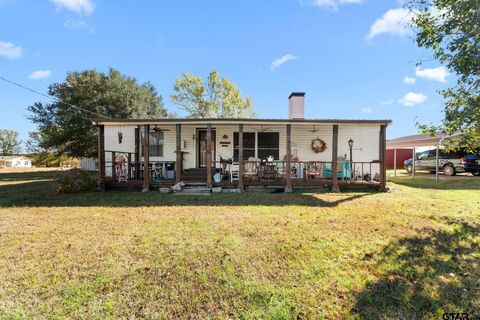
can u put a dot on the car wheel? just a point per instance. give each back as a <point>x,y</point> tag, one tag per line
<point>409,168</point>
<point>449,170</point>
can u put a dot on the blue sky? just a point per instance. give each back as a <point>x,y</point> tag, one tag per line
<point>351,57</point>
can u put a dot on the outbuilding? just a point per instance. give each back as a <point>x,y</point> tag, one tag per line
<point>15,162</point>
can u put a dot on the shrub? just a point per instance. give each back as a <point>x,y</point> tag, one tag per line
<point>108,182</point>
<point>74,181</point>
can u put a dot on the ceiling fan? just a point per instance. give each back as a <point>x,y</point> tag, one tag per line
<point>262,129</point>
<point>157,129</point>
<point>314,129</point>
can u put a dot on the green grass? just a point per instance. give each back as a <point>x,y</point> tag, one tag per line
<point>413,252</point>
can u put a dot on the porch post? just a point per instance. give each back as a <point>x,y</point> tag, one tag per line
<point>129,163</point>
<point>413,162</point>
<point>209,156</point>
<point>146,158</point>
<point>137,152</point>
<point>437,151</point>
<point>395,162</point>
<point>178,164</point>
<point>101,156</point>
<point>335,187</point>
<point>241,167</point>
<point>288,177</point>
<point>382,152</point>
<point>113,165</point>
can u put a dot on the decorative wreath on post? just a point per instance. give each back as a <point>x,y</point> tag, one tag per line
<point>319,145</point>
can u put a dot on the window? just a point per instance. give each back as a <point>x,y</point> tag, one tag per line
<point>268,145</point>
<point>248,145</point>
<point>423,156</point>
<point>260,145</point>
<point>155,146</point>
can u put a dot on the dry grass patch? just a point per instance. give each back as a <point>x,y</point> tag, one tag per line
<point>249,256</point>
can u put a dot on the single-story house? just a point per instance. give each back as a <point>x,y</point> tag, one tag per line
<point>15,162</point>
<point>245,152</point>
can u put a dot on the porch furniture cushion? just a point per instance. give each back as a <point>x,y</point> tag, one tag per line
<point>314,169</point>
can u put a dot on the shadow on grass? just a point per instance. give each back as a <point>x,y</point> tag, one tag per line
<point>42,194</point>
<point>27,176</point>
<point>432,273</point>
<point>445,183</point>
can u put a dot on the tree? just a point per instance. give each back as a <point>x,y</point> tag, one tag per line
<point>451,28</point>
<point>42,157</point>
<point>9,142</point>
<point>69,130</point>
<point>215,98</point>
<point>34,143</point>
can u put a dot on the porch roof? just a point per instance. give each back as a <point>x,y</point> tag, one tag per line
<point>421,140</point>
<point>235,121</point>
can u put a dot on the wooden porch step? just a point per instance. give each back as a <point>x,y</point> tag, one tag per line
<point>194,190</point>
<point>195,184</point>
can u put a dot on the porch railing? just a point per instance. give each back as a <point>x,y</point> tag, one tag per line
<point>121,166</point>
<point>307,172</point>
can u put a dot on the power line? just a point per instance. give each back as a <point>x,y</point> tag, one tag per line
<point>49,97</point>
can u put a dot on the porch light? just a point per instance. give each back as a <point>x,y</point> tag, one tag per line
<point>350,143</point>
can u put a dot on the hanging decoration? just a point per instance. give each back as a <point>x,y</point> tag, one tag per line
<point>121,167</point>
<point>120,136</point>
<point>319,145</point>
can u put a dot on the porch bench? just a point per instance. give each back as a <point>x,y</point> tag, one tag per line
<point>343,171</point>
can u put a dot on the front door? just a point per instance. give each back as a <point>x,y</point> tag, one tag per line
<point>202,147</point>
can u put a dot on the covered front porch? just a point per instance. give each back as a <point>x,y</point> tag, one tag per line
<point>244,154</point>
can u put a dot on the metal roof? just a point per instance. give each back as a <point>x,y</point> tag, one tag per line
<point>419,140</point>
<point>236,121</point>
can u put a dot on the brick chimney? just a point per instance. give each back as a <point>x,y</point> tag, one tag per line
<point>296,105</point>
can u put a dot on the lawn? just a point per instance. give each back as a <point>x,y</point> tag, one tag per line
<point>410,253</point>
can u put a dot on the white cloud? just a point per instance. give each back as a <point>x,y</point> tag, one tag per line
<point>394,21</point>
<point>367,110</point>
<point>409,80</point>
<point>437,74</point>
<point>411,98</point>
<point>78,6</point>
<point>78,24</point>
<point>332,4</point>
<point>277,63</point>
<point>10,50</point>
<point>386,102</point>
<point>40,74</point>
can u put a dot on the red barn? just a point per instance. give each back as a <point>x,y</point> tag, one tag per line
<point>402,155</point>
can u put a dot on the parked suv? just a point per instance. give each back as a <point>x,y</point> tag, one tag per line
<point>451,162</point>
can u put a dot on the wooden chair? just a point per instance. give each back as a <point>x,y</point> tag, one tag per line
<point>251,170</point>
<point>234,172</point>
<point>314,170</point>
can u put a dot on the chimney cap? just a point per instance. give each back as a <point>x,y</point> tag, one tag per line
<point>296,94</point>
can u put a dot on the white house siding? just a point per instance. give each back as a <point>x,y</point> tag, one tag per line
<point>111,138</point>
<point>302,137</point>
<point>365,136</point>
